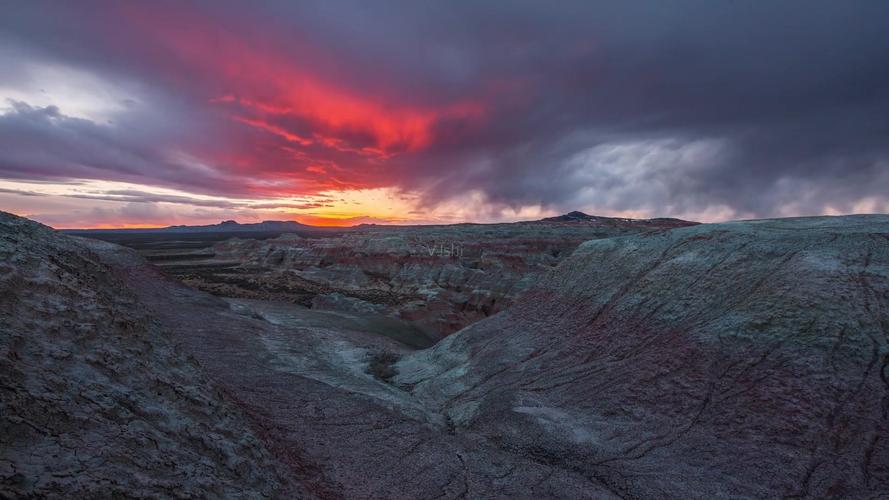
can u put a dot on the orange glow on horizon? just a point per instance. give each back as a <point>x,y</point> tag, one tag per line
<point>308,220</point>
<point>288,130</point>
<point>123,225</point>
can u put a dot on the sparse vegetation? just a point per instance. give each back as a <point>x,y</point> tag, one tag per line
<point>382,365</point>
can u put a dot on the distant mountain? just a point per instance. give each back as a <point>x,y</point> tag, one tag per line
<point>573,216</point>
<point>229,226</point>
<point>577,216</point>
<point>279,226</point>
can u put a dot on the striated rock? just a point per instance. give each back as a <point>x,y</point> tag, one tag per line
<point>442,277</point>
<point>745,359</point>
<point>738,360</point>
<point>95,399</point>
<point>202,397</point>
<point>315,387</point>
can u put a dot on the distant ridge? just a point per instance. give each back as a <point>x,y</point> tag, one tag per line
<point>232,226</point>
<point>278,226</point>
<point>228,226</point>
<point>573,216</point>
<point>577,216</point>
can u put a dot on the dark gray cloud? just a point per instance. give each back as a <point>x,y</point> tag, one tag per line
<point>132,196</point>
<point>42,143</point>
<point>718,108</point>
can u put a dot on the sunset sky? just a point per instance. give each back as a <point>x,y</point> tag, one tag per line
<point>124,114</point>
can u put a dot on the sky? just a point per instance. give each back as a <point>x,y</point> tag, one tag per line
<point>335,112</point>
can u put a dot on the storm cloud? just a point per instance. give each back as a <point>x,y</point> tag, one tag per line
<point>702,109</point>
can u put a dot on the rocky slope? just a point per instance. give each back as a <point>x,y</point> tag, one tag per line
<point>317,393</point>
<point>95,399</point>
<point>441,277</point>
<point>120,382</point>
<point>746,359</point>
<point>734,360</point>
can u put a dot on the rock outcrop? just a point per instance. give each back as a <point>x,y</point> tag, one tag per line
<point>746,359</point>
<point>95,399</point>
<point>736,360</point>
<point>315,385</point>
<point>441,277</point>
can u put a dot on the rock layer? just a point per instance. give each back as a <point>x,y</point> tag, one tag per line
<point>315,393</point>
<point>745,359</point>
<point>441,277</point>
<point>95,399</point>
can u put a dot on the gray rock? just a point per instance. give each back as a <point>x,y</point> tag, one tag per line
<point>738,360</point>
<point>745,359</point>
<point>96,400</point>
<point>457,274</point>
<point>339,302</point>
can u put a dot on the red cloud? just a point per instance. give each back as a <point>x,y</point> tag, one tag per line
<point>293,119</point>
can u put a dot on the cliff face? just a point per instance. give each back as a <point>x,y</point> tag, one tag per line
<point>95,399</point>
<point>746,358</point>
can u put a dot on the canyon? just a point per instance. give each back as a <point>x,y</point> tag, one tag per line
<point>439,278</point>
<point>575,357</point>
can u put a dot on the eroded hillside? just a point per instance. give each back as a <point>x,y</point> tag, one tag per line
<point>95,399</point>
<point>745,359</point>
<point>441,278</point>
